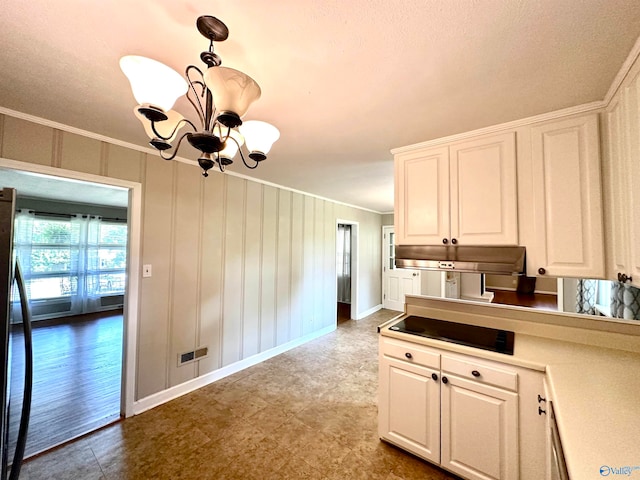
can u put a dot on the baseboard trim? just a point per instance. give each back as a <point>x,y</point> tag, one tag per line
<point>172,393</point>
<point>366,313</point>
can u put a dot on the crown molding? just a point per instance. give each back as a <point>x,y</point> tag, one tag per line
<point>132,146</point>
<point>623,72</point>
<point>565,112</point>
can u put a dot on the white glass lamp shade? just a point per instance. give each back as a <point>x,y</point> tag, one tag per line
<point>259,136</point>
<point>232,90</point>
<point>231,147</point>
<point>152,82</point>
<point>165,128</point>
<point>230,150</point>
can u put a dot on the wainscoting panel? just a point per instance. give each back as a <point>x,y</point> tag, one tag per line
<point>269,268</point>
<point>153,329</point>
<point>80,154</point>
<point>252,270</point>
<point>284,267</point>
<point>27,142</point>
<point>233,271</point>
<point>296,286</point>
<point>211,264</point>
<point>124,163</point>
<point>185,267</point>
<point>308,273</point>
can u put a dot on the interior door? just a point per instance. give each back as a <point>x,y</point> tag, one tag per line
<point>397,282</point>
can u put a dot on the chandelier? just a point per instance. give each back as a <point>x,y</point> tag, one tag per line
<point>220,97</point>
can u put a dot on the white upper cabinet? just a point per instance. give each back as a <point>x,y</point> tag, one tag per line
<point>462,194</point>
<point>484,208</point>
<point>422,197</point>
<point>567,198</point>
<point>632,191</point>
<point>622,181</point>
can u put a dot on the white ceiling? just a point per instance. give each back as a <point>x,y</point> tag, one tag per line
<point>47,187</point>
<point>344,81</point>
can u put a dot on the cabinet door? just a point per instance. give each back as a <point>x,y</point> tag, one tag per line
<point>484,206</point>
<point>422,197</point>
<point>615,189</point>
<point>631,100</point>
<point>567,198</point>
<point>409,407</point>
<point>479,430</point>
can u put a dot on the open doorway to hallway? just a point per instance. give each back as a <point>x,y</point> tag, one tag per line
<point>343,269</point>
<point>346,270</point>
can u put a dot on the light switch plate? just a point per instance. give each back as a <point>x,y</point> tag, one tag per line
<point>146,270</point>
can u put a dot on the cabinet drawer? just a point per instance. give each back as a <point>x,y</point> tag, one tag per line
<point>410,352</point>
<point>481,372</point>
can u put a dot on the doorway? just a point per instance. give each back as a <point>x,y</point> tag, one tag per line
<point>114,330</point>
<point>396,282</point>
<point>346,270</point>
<point>343,269</point>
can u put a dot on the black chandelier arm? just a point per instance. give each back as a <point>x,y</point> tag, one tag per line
<point>175,129</point>
<point>198,107</point>
<point>175,150</point>
<point>221,167</point>
<point>242,156</point>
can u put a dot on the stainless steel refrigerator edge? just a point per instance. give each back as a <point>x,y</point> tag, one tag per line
<point>12,460</point>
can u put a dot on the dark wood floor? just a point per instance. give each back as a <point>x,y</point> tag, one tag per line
<point>344,312</point>
<point>542,301</point>
<point>76,379</point>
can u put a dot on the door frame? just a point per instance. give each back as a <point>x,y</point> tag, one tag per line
<point>355,264</point>
<point>132,291</point>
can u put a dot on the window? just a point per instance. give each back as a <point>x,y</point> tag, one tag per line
<point>70,260</point>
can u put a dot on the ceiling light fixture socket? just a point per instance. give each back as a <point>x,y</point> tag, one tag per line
<point>152,113</point>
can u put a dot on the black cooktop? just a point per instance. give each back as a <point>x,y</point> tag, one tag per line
<point>492,339</point>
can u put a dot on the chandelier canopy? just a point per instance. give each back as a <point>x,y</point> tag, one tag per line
<point>220,97</point>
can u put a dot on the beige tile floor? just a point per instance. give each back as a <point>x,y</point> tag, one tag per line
<point>307,414</point>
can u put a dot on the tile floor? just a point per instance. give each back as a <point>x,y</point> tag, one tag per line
<point>307,414</point>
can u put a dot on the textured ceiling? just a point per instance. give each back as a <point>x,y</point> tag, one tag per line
<point>343,81</point>
<point>35,185</point>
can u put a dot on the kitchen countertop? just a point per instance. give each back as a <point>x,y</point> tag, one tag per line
<point>595,392</point>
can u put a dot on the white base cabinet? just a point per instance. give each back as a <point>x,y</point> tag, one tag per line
<point>474,417</point>
<point>411,415</point>
<point>479,430</point>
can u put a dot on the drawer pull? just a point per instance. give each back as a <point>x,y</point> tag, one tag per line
<point>541,399</point>
<point>475,373</point>
<point>541,411</point>
<point>445,380</point>
<point>408,355</point>
<point>434,376</point>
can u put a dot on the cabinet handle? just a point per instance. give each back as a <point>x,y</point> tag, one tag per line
<point>454,241</point>
<point>541,411</point>
<point>475,373</point>
<point>445,380</point>
<point>434,376</point>
<point>541,399</point>
<point>408,355</point>
<point>415,274</point>
<point>622,277</point>
<point>445,241</point>
<point>542,271</point>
